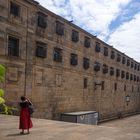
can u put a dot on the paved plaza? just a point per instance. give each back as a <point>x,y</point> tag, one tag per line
<point>123,129</point>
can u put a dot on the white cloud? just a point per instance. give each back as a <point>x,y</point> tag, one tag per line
<point>93,15</point>
<point>126,38</point>
<point>96,16</point>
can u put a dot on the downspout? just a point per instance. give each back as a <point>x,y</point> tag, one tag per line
<point>25,84</point>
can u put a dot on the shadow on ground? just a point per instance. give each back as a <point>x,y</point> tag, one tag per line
<point>16,134</point>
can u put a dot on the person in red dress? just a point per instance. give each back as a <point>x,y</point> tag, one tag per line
<point>25,119</point>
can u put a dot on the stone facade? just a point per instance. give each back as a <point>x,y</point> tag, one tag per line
<point>36,47</point>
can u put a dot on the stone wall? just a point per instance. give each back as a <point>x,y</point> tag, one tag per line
<point>57,87</point>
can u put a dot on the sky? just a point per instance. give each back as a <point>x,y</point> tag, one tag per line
<point>117,22</point>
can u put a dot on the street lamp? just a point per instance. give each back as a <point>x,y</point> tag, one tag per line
<point>98,84</point>
<point>127,99</point>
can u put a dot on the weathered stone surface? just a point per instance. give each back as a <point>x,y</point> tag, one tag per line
<point>57,87</point>
<point>122,129</point>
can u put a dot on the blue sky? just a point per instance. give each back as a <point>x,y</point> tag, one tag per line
<point>127,14</point>
<point>117,22</point>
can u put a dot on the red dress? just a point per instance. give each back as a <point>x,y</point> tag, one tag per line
<point>25,120</point>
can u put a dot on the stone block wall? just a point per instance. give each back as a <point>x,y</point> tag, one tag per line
<point>58,87</point>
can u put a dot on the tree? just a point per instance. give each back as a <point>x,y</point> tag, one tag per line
<point>3,107</point>
<point>2,73</point>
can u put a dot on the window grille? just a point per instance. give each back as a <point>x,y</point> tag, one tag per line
<point>14,9</point>
<point>42,20</point>
<point>59,28</point>
<point>122,74</point>
<point>112,55</point>
<point>87,42</point>
<point>97,66</point>
<point>131,77</point>
<point>41,50</point>
<point>127,75</point>
<point>118,57</point>
<point>128,62</point>
<point>85,83</point>
<point>115,86</point>
<point>123,60</point>
<point>111,71</point>
<point>97,47</point>
<point>13,46</point>
<point>85,63</point>
<point>74,59</point>
<point>57,54</point>
<point>75,36</point>
<point>105,68</point>
<point>117,73</point>
<point>105,51</point>
<point>132,64</point>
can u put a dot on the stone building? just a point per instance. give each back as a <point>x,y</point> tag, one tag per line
<point>61,67</point>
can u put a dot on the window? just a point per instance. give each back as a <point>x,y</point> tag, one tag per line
<point>85,83</point>
<point>111,71</point>
<point>128,62</point>
<point>103,85</point>
<point>57,55</point>
<point>75,36</point>
<point>117,72</point>
<point>105,68</point>
<point>42,20</point>
<point>112,55</point>
<point>74,59</point>
<point>97,47</point>
<point>122,74</point>
<point>85,63</point>
<point>59,28</point>
<point>124,87</point>
<point>135,78</point>
<point>138,67</point>
<point>41,50</point>
<point>132,65</point>
<point>87,42</point>
<point>131,77</point>
<point>115,86</point>
<point>97,66</point>
<point>118,57</point>
<point>127,75</point>
<point>105,51</point>
<point>13,46</point>
<point>123,60</point>
<point>135,66</point>
<point>14,9</point>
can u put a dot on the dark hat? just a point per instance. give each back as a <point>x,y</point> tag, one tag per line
<point>23,98</point>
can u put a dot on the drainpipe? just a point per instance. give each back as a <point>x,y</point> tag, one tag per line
<point>25,84</point>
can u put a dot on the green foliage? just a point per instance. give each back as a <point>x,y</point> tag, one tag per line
<point>7,110</point>
<point>2,72</point>
<point>2,101</point>
<point>1,93</point>
<point>4,109</point>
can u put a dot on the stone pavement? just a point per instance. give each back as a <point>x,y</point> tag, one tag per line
<point>124,129</point>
